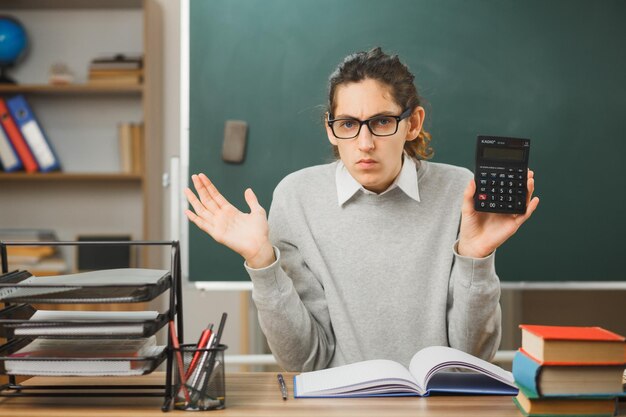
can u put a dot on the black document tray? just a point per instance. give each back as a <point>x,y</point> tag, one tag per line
<point>141,365</point>
<point>75,293</point>
<point>18,316</point>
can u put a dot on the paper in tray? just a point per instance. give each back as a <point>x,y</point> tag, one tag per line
<point>23,320</point>
<point>78,360</point>
<point>124,285</point>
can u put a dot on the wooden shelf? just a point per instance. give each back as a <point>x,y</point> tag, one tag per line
<point>70,89</point>
<point>71,4</point>
<point>70,177</point>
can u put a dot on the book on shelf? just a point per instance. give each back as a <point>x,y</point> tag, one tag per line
<point>137,135</point>
<point>9,161</point>
<point>28,235</point>
<point>43,268</point>
<point>573,345</point>
<point>116,81</point>
<point>31,130</point>
<point>117,62</point>
<point>40,260</point>
<point>131,146</point>
<point>69,357</point>
<point>428,372</point>
<point>18,142</point>
<point>578,407</point>
<point>566,380</point>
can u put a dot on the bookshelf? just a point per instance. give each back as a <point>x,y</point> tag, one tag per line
<point>91,195</point>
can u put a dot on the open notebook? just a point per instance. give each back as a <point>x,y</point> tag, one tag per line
<point>426,375</point>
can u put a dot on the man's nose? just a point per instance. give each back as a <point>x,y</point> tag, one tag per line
<point>365,139</point>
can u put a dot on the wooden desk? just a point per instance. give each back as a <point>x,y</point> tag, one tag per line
<point>254,394</point>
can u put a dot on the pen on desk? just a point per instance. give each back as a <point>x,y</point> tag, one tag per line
<point>283,387</point>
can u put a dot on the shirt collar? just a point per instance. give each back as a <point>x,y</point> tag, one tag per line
<point>406,180</point>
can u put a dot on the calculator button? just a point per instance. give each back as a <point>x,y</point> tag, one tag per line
<point>520,177</point>
<point>501,198</point>
<point>501,206</point>
<point>520,184</point>
<point>520,170</point>
<point>493,190</point>
<point>483,182</point>
<point>483,174</point>
<point>510,184</point>
<point>483,189</point>
<point>482,204</point>
<point>510,191</point>
<point>493,175</point>
<point>510,176</point>
<point>501,190</point>
<point>502,175</point>
<point>510,199</point>
<point>519,203</point>
<point>502,183</point>
<point>493,197</point>
<point>510,206</point>
<point>520,191</point>
<point>482,196</point>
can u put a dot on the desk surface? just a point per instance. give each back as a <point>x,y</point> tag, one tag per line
<point>253,394</point>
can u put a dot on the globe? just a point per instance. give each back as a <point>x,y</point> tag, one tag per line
<point>13,41</point>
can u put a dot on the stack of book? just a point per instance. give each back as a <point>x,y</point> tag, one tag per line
<point>116,70</point>
<point>23,143</point>
<point>569,371</point>
<point>40,260</point>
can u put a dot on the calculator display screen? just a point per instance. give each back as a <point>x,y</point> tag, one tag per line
<point>504,154</point>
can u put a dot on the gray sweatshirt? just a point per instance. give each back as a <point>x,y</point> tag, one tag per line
<point>377,277</point>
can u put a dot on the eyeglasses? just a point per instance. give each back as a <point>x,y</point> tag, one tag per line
<point>378,125</point>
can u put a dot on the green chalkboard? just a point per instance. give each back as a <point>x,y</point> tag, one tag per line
<point>552,71</point>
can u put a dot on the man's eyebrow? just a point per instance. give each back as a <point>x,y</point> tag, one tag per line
<point>383,113</point>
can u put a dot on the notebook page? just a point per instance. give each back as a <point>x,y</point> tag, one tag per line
<point>367,373</point>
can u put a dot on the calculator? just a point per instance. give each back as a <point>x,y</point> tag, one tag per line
<point>501,174</point>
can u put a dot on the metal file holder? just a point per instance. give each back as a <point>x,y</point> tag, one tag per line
<point>175,312</point>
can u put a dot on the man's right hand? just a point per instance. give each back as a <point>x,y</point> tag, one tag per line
<point>245,233</point>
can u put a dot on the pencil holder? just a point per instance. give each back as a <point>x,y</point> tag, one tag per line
<point>200,382</point>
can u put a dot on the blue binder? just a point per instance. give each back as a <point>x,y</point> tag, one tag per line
<point>9,160</point>
<point>34,135</point>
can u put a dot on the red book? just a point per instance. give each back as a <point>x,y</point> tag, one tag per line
<point>569,345</point>
<point>16,138</point>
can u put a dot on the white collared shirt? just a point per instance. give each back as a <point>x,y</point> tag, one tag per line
<point>347,186</point>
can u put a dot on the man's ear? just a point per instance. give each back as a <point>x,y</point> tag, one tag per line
<point>416,121</point>
<point>329,132</point>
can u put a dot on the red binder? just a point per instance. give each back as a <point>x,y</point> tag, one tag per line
<point>16,138</point>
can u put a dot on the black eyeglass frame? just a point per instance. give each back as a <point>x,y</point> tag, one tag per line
<point>399,118</point>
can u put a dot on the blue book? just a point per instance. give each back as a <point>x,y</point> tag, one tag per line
<point>33,134</point>
<point>8,157</point>
<point>540,380</point>
<point>428,373</point>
